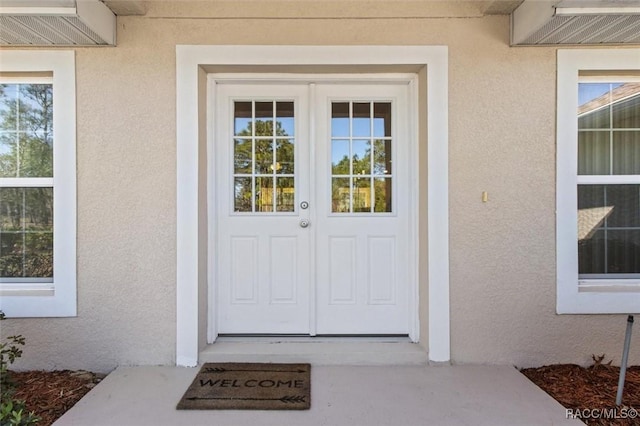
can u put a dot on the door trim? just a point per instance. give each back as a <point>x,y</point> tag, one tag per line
<point>192,267</point>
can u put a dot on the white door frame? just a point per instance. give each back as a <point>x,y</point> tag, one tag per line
<point>192,266</point>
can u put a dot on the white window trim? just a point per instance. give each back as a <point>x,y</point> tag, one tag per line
<point>56,299</point>
<point>582,296</point>
<point>189,62</point>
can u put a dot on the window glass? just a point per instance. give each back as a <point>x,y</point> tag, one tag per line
<point>609,229</point>
<point>608,128</point>
<point>26,130</point>
<point>26,213</point>
<point>609,212</point>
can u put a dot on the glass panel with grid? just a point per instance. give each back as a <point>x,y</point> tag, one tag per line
<point>361,157</point>
<point>609,129</point>
<point>609,149</point>
<point>264,156</point>
<point>26,182</point>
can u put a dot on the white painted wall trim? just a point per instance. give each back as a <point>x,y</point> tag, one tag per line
<point>187,63</point>
<point>188,60</point>
<point>438,205</point>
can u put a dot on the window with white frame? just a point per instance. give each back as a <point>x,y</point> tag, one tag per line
<point>598,181</point>
<point>37,184</point>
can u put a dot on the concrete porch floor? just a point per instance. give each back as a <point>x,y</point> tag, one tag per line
<point>340,395</point>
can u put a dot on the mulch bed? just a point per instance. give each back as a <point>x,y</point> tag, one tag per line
<point>591,388</point>
<point>51,393</point>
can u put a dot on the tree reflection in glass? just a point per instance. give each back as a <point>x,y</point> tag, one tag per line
<point>26,151</point>
<point>361,149</point>
<point>263,149</point>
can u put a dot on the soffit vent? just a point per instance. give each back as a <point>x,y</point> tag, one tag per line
<point>88,23</point>
<point>552,23</point>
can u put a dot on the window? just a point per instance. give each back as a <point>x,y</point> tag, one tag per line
<point>598,186</point>
<point>37,184</point>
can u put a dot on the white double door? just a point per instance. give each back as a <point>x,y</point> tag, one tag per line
<point>312,189</point>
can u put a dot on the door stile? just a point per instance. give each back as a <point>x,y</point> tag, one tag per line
<point>313,281</point>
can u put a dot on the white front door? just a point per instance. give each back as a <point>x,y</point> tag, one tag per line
<point>312,200</point>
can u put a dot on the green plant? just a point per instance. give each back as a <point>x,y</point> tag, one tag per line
<point>13,412</point>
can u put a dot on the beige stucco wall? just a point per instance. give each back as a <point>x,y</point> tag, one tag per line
<point>502,124</point>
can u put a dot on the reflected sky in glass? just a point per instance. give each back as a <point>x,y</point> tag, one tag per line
<point>590,91</point>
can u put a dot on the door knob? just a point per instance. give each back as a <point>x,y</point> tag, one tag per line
<point>304,205</point>
<point>304,223</point>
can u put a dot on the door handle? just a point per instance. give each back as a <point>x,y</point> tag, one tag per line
<point>304,223</point>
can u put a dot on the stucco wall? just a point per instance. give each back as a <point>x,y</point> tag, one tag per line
<point>502,124</point>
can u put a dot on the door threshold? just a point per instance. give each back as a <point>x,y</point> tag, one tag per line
<point>316,350</point>
<point>305,338</point>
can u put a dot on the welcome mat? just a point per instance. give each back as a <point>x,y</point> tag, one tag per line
<point>249,386</point>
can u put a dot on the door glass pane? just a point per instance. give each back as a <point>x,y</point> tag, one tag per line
<point>609,229</point>
<point>340,195</point>
<point>264,194</point>
<point>361,119</point>
<point>285,196</point>
<point>382,157</point>
<point>382,119</point>
<point>242,119</point>
<point>361,152</point>
<point>264,156</point>
<point>382,188</point>
<point>284,156</point>
<point>340,164</point>
<point>242,156</point>
<point>284,119</point>
<point>242,194</point>
<point>361,156</point>
<point>262,153</point>
<point>264,119</point>
<point>362,194</point>
<point>340,119</point>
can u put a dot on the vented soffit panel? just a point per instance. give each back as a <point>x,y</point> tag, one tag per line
<point>56,23</point>
<point>576,22</point>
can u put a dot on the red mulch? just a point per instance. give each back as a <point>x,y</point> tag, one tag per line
<point>51,393</point>
<point>591,388</point>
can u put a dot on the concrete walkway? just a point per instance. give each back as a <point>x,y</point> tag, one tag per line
<point>340,395</point>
